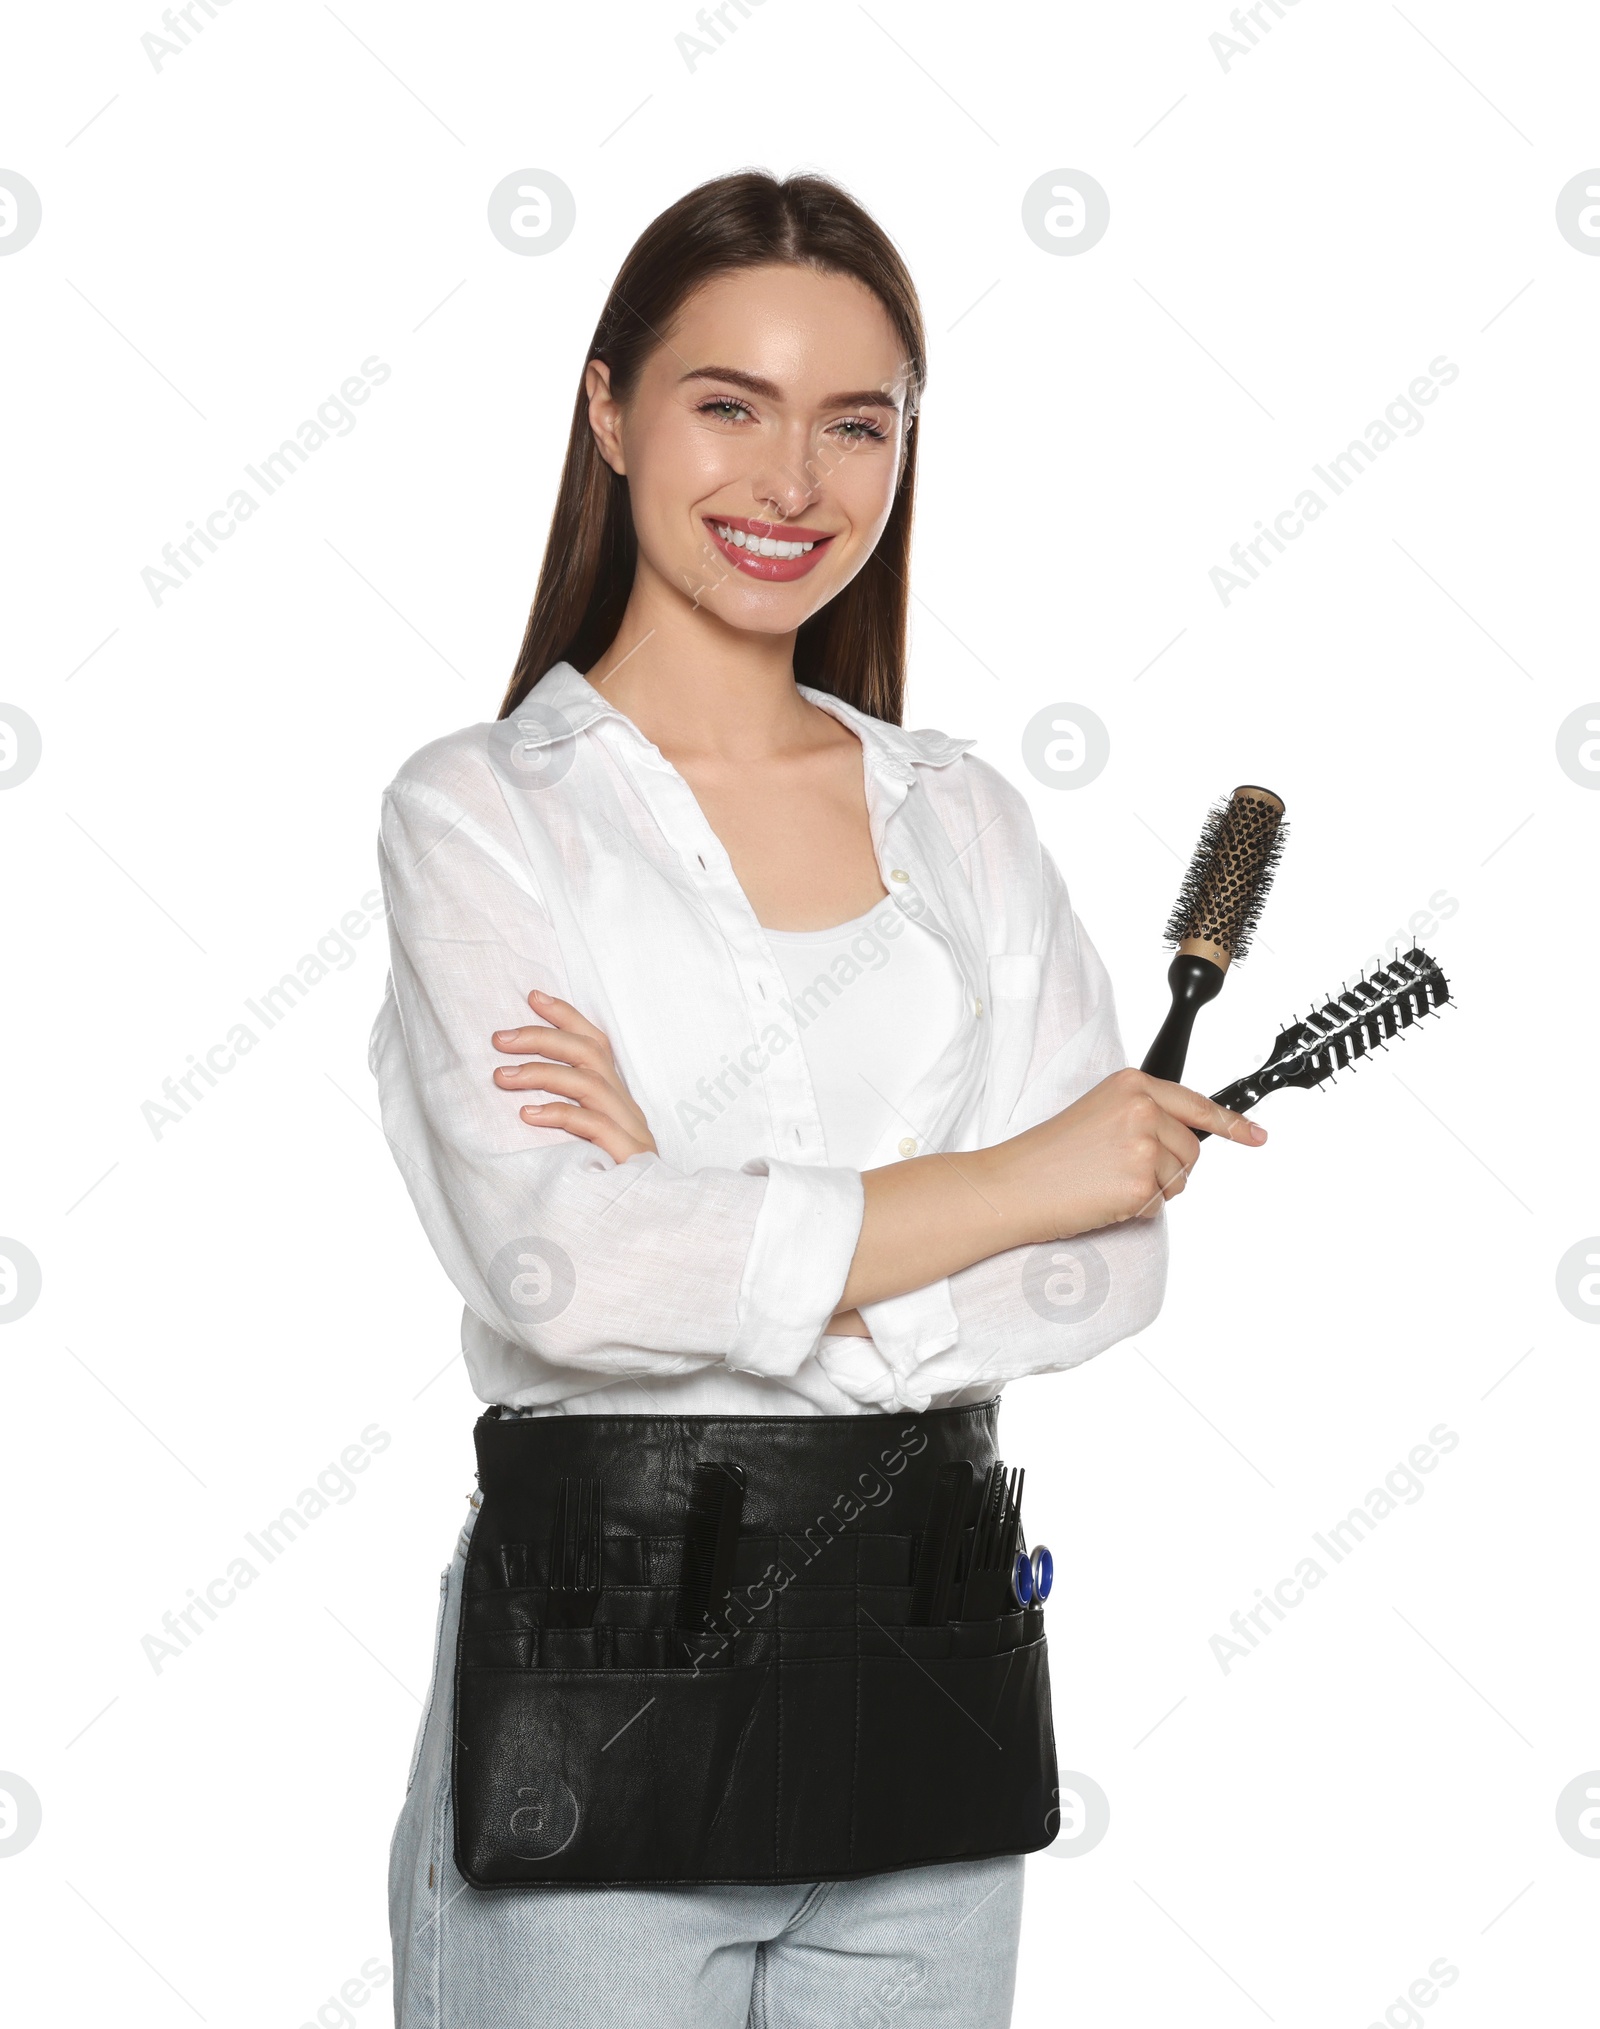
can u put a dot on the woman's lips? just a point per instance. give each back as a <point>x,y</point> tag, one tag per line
<point>771,570</point>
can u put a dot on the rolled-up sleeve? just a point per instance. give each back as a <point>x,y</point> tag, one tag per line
<point>637,1268</point>
<point>1034,1310</point>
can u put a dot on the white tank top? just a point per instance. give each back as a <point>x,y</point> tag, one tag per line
<point>875,1002</point>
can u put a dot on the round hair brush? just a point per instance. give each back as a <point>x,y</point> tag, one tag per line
<point>1216,912</point>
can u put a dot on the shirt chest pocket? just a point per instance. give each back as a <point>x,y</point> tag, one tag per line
<point>1014,976</point>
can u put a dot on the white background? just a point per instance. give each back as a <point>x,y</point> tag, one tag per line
<point>1293,239</point>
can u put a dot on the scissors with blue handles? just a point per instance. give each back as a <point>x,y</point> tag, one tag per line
<point>1032,1576</point>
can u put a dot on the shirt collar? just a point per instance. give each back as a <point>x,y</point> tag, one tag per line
<point>564,702</point>
<point>894,750</point>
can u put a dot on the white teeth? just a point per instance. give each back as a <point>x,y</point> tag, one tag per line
<point>761,545</point>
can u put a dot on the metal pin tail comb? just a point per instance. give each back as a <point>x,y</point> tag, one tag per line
<point>1216,912</point>
<point>1362,1018</point>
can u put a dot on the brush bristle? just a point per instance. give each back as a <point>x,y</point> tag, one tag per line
<point>1379,1009</point>
<point>1241,843</point>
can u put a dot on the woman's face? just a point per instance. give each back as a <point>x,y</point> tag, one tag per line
<point>770,417</point>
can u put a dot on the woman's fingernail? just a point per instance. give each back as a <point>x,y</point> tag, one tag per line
<point>1257,1132</point>
<point>500,1035</point>
<point>537,995</point>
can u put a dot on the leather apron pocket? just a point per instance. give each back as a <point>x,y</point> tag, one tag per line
<point>815,1734</point>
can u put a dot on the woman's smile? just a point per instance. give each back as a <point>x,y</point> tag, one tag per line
<point>773,551</point>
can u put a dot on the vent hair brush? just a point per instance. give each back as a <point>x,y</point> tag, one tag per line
<point>1362,1018</point>
<point>1216,912</point>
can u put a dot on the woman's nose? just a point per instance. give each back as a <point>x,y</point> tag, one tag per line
<point>788,480</point>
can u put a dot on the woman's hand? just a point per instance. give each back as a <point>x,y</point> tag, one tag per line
<point>595,1104</point>
<point>1114,1154</point>
<point>1117,1153</point>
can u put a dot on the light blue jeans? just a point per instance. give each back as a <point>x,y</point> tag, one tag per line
<point>924,1945</point>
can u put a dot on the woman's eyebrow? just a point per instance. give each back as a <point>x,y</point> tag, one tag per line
<point>753,383</point>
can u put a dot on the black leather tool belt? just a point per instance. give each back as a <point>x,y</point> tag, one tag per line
<point>783,1648</point>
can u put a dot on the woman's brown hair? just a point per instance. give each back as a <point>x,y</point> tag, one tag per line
<point>855,647</point>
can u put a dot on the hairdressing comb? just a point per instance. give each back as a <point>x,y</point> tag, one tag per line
<point>577,1552</point>
<point>1363,1017</point>
<point>994,1541</point>
<point>941,1539</point>
<point>711,1534</point>
<point>1216,912</point>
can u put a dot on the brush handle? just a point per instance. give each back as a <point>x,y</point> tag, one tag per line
<point>1241,1095</point>
<point>1194,980</point>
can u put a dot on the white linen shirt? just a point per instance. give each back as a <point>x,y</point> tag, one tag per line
<point>560,849</point>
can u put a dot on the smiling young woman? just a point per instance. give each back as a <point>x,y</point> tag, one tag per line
<point>821,1131</point>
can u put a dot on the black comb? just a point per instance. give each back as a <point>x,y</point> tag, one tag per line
<point>577,1553</point>
<point>994,1544</point>
<point>941,1538</point>
<point>711,1534</point>
<point>1362,1018</point>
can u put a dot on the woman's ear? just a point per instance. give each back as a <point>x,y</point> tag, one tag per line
<point>605,414</point>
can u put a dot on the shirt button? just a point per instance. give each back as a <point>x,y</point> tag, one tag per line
<point>977,1007</point>
<point>909,1145</point>
<point>898,874</point>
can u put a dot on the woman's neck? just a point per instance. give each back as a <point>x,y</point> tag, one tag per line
<point>696,687</point>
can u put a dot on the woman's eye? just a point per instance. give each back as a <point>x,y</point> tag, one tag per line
<point>854,429</point>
